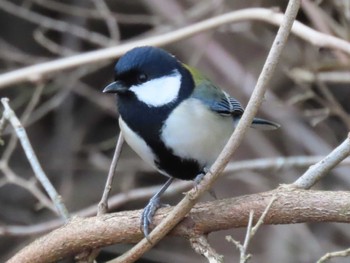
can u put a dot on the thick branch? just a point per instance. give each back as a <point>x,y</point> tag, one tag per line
<point>291,206</point>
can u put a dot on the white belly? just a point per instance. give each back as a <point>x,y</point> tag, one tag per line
<point>194,132</point>
<point>137,143</point>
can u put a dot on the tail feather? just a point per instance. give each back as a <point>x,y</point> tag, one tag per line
<point>263,124</point>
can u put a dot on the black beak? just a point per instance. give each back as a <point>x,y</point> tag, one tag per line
<point>115,87</point>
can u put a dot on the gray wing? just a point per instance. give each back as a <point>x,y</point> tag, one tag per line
<point>217,100</point>
<point>221,103</point>
<point>227,106</point>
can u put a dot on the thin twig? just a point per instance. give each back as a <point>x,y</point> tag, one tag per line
<point>103,204</point>
<point>322,168</point>
<point>336,254</point>
<point>244,255</point>
<point>3,123</point>
<point>308,76</point>
<point>35,72</point>
<point>251,231</point>
<point>33,160</point>
<point>90,256</point>
<point>201,246</point>
<point>185,205</point>
<point>263,164</point>
<point>12,178</point>
<point>24,119</point>
<point>263,216</point>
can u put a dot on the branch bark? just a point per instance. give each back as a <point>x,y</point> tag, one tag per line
<point>291,206</point>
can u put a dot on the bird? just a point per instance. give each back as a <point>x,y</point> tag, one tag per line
<point>173,116</point>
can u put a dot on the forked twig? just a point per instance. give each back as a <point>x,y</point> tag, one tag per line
<point>251,231</point>
<point>33,160</point>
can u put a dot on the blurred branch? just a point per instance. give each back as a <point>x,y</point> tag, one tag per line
<point>12,54</point>
<point>107,104</point>
<point>53,47</point>
<point>10,176</point>
<point>304,75</point>
<point>53,24</point>
<point>291,206</point>
<point>276,163</point>
<point>115,201</point>
<point>95,14</point>
<point>319,21</point>
<point>107,16</point>
<point>35,72</point>
<point>30,185</point>
<point>65,85</point>
<point>336,254</point>
<point>33,160</point>
<point>332,104</point>
<point>322,168</point>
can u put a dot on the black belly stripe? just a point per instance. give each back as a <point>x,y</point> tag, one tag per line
<point>185,169</point>
<point>149,129</point>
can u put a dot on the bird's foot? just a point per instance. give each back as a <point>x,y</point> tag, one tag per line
<point>199,178</point>
<point>147,215</point>
<point>153,205</point>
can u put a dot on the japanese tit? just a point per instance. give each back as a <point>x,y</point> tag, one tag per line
<point>172,116</point>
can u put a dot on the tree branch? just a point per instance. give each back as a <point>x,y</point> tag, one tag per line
<point>103,204</point>
<point>322,168</point>
<point>36,72</point>
<point>33,160</point>
<point>291,206</point>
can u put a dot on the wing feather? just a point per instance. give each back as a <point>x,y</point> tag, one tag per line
<point>216,99</point>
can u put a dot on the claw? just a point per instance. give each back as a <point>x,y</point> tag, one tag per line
<point>199,178</point>
<point>151,208</point>
<point>148,213</point>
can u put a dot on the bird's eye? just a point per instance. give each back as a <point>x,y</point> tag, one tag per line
<point>142,77</point>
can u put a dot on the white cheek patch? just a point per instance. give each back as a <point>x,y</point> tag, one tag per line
<point>160,91</point>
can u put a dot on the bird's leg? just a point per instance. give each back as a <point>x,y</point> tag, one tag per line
<point>151,208</point>
<point>199,178</point>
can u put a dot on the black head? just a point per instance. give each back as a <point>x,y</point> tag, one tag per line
<point>152,75</point>
<point>142,64</point>
<point>150,61</point>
